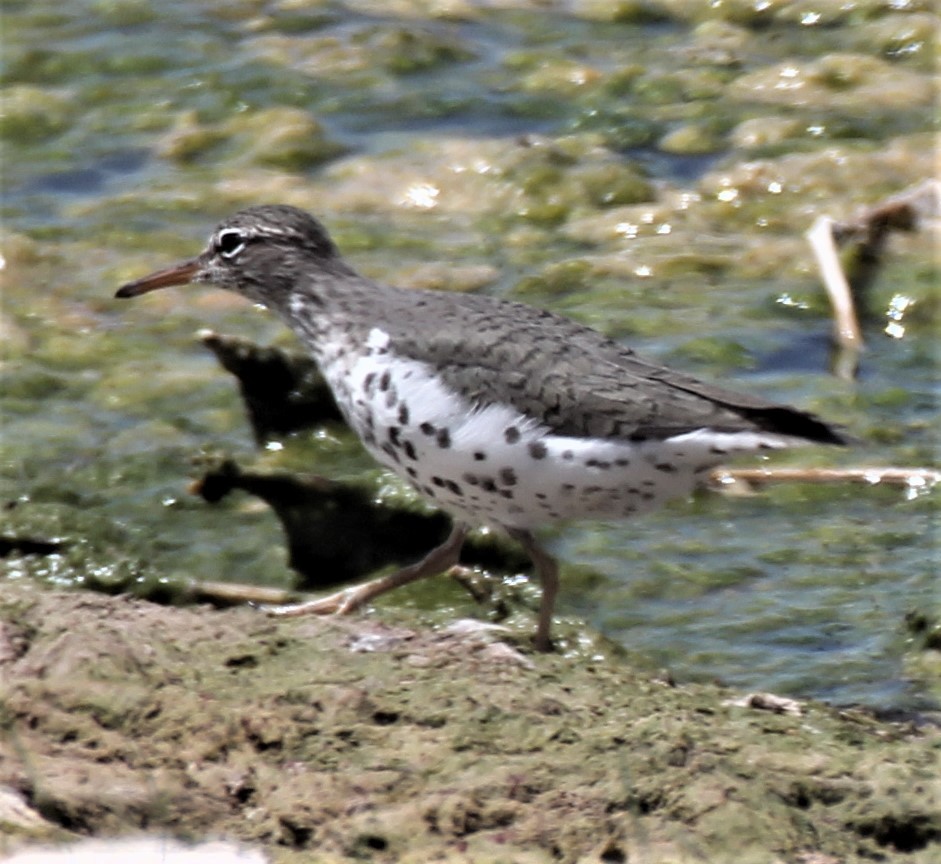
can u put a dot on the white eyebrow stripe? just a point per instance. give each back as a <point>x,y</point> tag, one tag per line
<point>249,232</point>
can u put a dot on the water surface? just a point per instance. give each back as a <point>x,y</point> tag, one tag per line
<point>649,172</point>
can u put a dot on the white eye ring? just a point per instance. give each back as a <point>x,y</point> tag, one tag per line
<point>230,243</point>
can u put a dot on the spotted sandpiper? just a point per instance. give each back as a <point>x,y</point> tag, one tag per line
<point>500,413</point>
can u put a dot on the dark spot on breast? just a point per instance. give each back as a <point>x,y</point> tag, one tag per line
<point>437,481</point>
<point>470,479</point>
<point>444,439</point>
<point>369,382</point>
<point>385,381</point>
<point>411,471</point>
<point>394,436</point>
<point>718,451</point>
<point>488,484</point>
<point>391,398</point>
<point>666,467</point>
<point>403,414</point>
<point>389,450</point>
<point>507,493</point>
<point>622,463</point>
<point>568,455</point>
<point>427,429</point>
<point>410,450</point>
<point>538,450</point>
<point>511,434</point>
<point>453,487</point>
<point>479,456</point>
<point>427,490</point>
<point>508,476</point>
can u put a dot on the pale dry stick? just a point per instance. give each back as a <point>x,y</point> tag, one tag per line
<point>846,332</point>
<point>915,478</point>
<point>910,210</point>
<point>234,593</point>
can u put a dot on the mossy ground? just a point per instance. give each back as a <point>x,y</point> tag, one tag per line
<point>355,739</point>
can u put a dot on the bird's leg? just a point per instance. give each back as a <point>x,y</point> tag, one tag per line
<point>348,600</point>
<point>548,572</point>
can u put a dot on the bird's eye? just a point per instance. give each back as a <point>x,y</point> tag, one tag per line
<point>230,243</point>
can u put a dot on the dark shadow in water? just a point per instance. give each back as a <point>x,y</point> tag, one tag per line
<point>91,179</point>
<point>806,351</point>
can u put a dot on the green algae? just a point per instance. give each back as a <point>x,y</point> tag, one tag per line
<point>844,82</point>
<point>284,138</point>
<point>607,163</point>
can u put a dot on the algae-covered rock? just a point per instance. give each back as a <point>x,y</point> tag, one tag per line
<point>346,739</point>
<point>288,139</point>
<point>285,138</point>
<point>691,138</point>
<point>189,139</point>
<point>762,132</point>
<point>371,49</point>
<point>849,82</point>
<point>29,113</point>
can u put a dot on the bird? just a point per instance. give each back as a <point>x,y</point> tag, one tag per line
<point>501,414</point>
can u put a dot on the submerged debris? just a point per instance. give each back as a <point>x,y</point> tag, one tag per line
<point>338,531</point>
<point>848,279</point>
<point>282,391</point>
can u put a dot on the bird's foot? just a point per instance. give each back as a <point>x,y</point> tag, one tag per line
<point>339,603</point>
<point>438,560</point>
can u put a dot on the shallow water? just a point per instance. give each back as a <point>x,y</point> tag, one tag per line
<point>651,176</point>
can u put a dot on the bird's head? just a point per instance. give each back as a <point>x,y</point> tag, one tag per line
<point>261,252</point>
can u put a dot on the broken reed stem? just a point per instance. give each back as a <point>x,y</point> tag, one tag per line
<point>907,211</point>
<point>921,477</point>
<point>846,332</point>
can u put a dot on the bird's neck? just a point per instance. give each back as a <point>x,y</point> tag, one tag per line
<point>332,298</point>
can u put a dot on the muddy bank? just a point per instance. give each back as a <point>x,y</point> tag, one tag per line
<point>367,739</point>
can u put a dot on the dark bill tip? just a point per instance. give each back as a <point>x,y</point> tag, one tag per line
<point>178,274</point>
